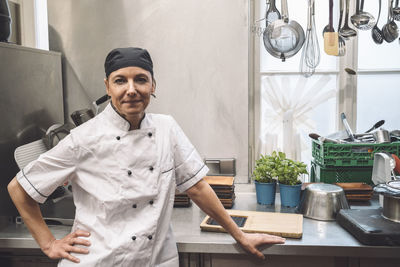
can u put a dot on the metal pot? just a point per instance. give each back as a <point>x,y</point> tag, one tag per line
<point>322,201</point>
<point>283,38</point>
<point>391,202</point>
<point>381,136</point>
<point>83,115</point>
<point>391,208</point>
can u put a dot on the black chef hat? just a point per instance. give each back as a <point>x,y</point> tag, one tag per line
<point>128,57</point>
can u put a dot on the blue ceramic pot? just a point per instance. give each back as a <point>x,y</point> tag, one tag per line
<point>265,193</point>
<point>290,195</point>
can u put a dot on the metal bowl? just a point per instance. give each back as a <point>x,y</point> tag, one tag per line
<point>322,202</point>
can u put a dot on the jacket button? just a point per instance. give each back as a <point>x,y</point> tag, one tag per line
<point>151,168</point>
<point>118,137</point>
<point>129,172</point>
<point>133,238</point>
<point>151,202</point>
<point>134,206</point>
<point>150,134</point>
<point>150,237</point>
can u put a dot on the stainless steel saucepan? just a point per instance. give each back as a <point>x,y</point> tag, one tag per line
<point>83,115</point>
<point>283,38</point>
<point>391,199</point>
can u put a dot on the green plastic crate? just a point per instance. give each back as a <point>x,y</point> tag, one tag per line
<point>333,175</point>
<point>349,155</point>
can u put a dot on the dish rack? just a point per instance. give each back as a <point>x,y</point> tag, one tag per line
<point>345,163</point>
<point>349,155</point>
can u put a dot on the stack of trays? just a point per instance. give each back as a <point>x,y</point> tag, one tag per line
<point>181,200</point>
<point>357,191</point>
<point>224,188</point>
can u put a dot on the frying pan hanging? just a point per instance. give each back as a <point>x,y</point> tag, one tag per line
<point>283,38</point>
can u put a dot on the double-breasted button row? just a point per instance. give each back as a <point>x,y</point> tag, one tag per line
<point>129,172</point>
<point>150,237</point>
<point>151,202</point>
<point>150,134</point>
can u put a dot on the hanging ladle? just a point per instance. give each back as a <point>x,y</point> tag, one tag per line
<point>272,13</point>
<point>362,20</point>
<point>396,11</point>
<point>346,31</point>
<point>342,43</point>
<point>376,33</point>
<point>390,29</point>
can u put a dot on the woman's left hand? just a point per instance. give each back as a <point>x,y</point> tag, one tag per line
<point>251,242</point>
<point>203,195</point>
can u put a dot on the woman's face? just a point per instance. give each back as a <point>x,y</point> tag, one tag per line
<point>130,89</point>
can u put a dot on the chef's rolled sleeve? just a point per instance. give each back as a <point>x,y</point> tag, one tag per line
<point>189,166</point>
<point>185,185</point>
<point>54,167</point>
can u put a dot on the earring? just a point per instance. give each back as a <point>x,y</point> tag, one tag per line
<point>153,95</point>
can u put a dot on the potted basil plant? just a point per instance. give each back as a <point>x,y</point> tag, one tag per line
<point>265,184</point>
<point>288,172</point>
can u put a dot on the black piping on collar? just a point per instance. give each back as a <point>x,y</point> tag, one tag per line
<point>115,109</point>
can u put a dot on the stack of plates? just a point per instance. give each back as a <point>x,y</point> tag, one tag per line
<point>181,200</point>
<point>224,188</point>
<point>357,191</point>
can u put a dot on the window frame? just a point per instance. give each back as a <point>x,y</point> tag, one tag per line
<point>344,80</point>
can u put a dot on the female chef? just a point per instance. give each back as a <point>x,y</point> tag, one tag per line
<point>124,166</point>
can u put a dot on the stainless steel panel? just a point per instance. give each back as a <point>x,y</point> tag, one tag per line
<point>223,167</point>
<point>31,101</point>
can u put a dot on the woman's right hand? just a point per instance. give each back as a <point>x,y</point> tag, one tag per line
<point>61,248</point>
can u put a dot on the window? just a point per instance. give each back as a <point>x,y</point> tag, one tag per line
<point>29,23</point>
<point>289,106</point>
<point>378,79</point>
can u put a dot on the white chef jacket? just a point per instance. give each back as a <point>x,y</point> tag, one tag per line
<point>123,186</point>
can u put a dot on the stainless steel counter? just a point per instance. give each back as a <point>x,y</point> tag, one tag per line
<point>319,238</point>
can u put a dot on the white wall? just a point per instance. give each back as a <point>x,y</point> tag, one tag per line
<point>200,53</point>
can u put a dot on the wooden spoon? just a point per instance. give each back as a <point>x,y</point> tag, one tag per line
<point>331,38</point>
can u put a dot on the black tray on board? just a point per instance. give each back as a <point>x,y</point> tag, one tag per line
<point>369,227</point>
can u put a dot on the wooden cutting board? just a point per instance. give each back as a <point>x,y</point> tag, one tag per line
<point>357,191</point>
<point>355,187</point>
<point>281,224</point>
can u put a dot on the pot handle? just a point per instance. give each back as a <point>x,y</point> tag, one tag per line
<point>285,12</point>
